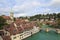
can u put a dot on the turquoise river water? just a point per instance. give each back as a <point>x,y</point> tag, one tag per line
<point>42,35</point>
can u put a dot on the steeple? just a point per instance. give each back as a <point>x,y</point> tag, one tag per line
<point>12,15</point>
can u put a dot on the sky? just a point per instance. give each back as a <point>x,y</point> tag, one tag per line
<point>29,7</point>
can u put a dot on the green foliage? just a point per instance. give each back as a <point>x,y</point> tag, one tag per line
<point>39,24</point>
<point>58,15</point>
<point>2,22</point>
<point>55,16</point>
<point>58,21</point>
<point>42,16</point>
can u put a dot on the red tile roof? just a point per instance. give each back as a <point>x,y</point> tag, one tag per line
<point>21,26</point>
<point>6,17</point>
<point>6,37</point>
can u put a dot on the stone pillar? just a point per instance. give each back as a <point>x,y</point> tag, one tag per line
<point>58,31</point>
<point>47,30</point>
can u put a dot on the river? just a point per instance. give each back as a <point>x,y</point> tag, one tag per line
<point>42,35</point>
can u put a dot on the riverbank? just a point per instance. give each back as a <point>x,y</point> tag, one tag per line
<point>44,36</point>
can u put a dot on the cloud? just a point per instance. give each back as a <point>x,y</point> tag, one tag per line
<point>55,3</point>
<point>5,9</point>
<point>29,7</point>
<point>26,5</point>
<point>20,14</point>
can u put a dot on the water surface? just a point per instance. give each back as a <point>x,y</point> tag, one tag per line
<point>42,35</point>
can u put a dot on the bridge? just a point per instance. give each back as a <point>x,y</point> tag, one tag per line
<point>51,29</point>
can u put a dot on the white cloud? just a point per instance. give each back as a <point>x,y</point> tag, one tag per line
<point>20,14</point>
<point>35,3</point>
<point>29,5</point>
<point>46,10</point>
<point>55,3</point>
<point>26,5</point>
<point>7,9</point>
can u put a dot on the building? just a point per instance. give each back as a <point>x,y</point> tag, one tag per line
<point>18,30</point>
<point>9,19</point>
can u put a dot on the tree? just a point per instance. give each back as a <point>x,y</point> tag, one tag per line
<point>57,25</point>
<point>2,22</point>
<point>58,15</point>
<point>48,16</point>
<point>54,15</point>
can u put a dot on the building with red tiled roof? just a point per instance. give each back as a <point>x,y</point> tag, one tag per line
<point>6,17</point>
<point>17,29</point>
<point>9,19</point>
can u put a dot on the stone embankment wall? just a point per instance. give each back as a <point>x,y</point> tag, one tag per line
<point>25,34</point>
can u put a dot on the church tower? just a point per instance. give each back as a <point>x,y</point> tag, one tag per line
<point>11,16</point>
